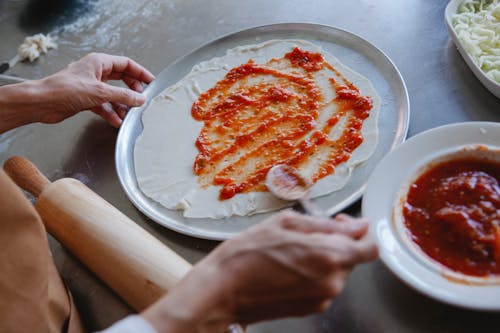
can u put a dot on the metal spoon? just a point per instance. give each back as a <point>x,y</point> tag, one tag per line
<point>286,183</point>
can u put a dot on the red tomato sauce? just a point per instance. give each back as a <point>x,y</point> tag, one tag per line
<point>251,125</point>
<point>453,213</point>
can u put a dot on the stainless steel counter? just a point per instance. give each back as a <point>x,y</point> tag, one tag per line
<point>412,33</point>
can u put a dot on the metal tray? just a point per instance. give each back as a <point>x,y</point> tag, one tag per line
<point>351,50</point>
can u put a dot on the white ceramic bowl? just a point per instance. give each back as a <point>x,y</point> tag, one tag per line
<point>399,254</point>
<point>491,85</point>
<point>479,152</point>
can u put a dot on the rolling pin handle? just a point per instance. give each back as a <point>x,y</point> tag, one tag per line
<point>26,175</point>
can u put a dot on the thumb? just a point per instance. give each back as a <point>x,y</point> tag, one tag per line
<point>124,96</point>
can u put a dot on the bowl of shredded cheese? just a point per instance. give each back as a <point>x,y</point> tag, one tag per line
<point>474,26</point>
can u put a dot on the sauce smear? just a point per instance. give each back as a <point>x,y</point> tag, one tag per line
<point>453,213</point>
<point>261,115</point>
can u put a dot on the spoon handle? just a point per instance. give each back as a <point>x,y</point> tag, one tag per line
<point>310,208</point>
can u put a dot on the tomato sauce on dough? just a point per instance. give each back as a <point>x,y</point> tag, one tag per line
<point>453,213</point>
<point>258,116</point>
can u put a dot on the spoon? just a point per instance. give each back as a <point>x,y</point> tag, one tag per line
<point>286,183</point>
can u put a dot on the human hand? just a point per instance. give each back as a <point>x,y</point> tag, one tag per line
<point>82,86</point>
<point>292,265</point>
<point>288,265</point>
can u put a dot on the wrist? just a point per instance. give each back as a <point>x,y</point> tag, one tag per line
<point>200,303</point>
<point>20,104</point>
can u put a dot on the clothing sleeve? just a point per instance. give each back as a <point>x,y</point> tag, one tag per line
<point>131,324</point>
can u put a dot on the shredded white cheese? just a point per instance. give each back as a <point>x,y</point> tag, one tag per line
<point>477,24</point>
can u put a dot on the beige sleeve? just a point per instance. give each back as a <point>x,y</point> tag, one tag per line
<point>34,298</point>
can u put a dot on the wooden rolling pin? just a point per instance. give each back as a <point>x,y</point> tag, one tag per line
<point>136,265</point>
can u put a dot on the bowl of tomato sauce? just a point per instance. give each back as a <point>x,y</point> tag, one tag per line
<point>433,203</point>
<point>448,214</point>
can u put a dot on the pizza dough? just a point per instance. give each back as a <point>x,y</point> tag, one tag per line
<point>165,151</point>
<point>34,46</point>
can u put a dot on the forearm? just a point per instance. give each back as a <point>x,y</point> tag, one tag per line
<point>197,305</point>
<point>18,104</point>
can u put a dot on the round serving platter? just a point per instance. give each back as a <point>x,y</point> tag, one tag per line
<point>350,49</point>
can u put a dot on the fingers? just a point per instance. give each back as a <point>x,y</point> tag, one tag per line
<point>341,242</point>
<point>346,252</point>
<point>120,109</point>
<point>89,75</point>
<point>355,228</point>
<point>325,254</point>
<point>347,218</point>
<point>133,84</point>
<point>365,249</point>
<point>113,113</point>
<point>123,96</point>
<point>116,67</point>
<point>107,112</point>
<point>343,219</point>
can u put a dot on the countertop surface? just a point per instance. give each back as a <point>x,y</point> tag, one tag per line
<point>412,33</point>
